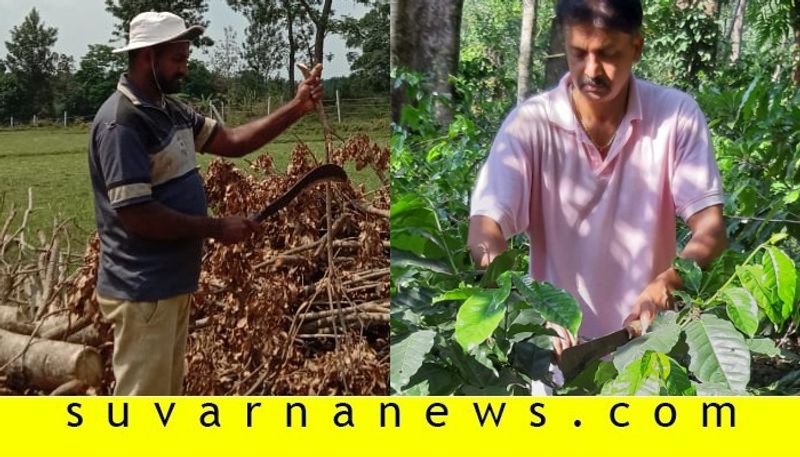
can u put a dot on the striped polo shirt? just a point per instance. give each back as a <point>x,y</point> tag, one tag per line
<point>141,152</point>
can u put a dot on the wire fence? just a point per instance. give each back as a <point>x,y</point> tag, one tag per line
<point>339,110</point>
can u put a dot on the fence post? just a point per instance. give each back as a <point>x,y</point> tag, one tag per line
<point>35,124</point>
<point>338,107</point>
<point>223,112</point>
<point>269,104</point>
<point>65,119</point>
<point>12,122</point>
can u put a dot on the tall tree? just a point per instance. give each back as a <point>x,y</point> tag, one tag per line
<point>225,57</point>
<point>525,48</point>
<point>292,14</point>
<point>97,77</point>
<point>319,11</point>
<point>192,12</point>
<point>737,26</point>
<point>368,33</point>
<point>32,62</point>
<point>425,37</point>
<point>794,19</point>
<point>264,46</point>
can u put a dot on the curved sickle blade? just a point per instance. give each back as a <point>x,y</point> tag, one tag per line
<point>328,172</point>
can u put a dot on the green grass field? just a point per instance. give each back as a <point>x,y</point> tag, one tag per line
<point>53,163</point>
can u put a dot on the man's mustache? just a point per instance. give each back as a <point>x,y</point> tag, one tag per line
<point>600,81</point>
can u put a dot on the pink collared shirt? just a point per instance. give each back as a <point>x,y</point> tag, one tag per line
<point>601,229</point>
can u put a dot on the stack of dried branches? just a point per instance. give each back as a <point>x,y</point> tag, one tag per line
<point>273,315</point>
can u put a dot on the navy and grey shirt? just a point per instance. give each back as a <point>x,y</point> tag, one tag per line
<point>141,152</point>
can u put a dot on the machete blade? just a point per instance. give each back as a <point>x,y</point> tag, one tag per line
<point>575,359</point>
<point>327,172</point>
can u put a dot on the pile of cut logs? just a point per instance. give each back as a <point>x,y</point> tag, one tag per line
<point>42,345</point>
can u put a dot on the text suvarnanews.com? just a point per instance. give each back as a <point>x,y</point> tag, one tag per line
<point>390,414</point>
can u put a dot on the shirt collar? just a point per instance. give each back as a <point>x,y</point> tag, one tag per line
<point>132,92</point>
<point>559,106</point>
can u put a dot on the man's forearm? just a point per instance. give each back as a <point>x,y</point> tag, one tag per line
<point>485,240</point>
<point>251,136</point>
<point>707,243</point>
<point>156,221</point>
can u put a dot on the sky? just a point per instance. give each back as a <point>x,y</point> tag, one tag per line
<point>84,22</point>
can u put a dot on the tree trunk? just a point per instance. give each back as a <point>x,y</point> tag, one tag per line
<point>425,38</point>
<point>795,21</point>
<point>292,46</point>
<point>556,62</point>
<point>322,28</point>
<point>12,320</point>
<point>737,27</point>
<point>49,364</point>
<point>525,48</point>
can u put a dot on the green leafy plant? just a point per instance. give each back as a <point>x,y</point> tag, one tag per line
<point>726,316</point>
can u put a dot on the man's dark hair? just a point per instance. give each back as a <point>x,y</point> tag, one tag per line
<point>621,15</point>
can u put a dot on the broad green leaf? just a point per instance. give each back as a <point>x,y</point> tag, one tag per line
<point>437,379</point>
<point>651,374</point>
<point>664,318</point>
<point>781,280</point>
<point>722,269</point>
<point>473,370</point>
<point>764,346</point>
<point>421,389</point>
<point>715,389</point>
<point>479,316</point>
<point>683,297</point>
<point>401,258</point>
<point>460,294</point>
<point>661,339</point>
<point>690,273</point>
<point>591,380</point>
<point>753,278</point>
<point>777,237</point>
<point>718,352</point>
<point>407,356</point>
<point>533,357</point>
<point>502,263</point>
<point>553,304</point>
<point>742,309</point>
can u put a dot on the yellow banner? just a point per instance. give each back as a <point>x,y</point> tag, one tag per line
<point>398,426</point>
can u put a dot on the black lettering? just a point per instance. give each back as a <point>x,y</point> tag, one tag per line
<point>164,419</point>
<point>537,414</point>
<point>289,407</point>
<point>489,410</point>
<point>614,415</point>
<point>348,412</point>
<point>430,412</point>
<point>673,414</point>
<point>250,408</point>
<point>396,414</point>
<point>718,408</point>
<point>213,412</point>
<point>124,422</point>
<point>72,411</point>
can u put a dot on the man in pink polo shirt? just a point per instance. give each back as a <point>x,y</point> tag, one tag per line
<point>595,171</point>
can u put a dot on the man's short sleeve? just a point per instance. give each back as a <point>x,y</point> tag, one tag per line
<point>503,188</point>
<point>204,129</point>
<point>124,164</point>
<point>696,182</point>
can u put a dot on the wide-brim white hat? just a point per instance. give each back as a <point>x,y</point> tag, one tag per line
<point>151,28</point>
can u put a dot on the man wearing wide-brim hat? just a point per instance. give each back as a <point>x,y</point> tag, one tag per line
<point>150,204</point>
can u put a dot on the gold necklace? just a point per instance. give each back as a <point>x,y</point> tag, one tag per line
<point>583,126</point>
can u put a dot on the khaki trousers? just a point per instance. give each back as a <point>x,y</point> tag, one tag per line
<point>149,344</point>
